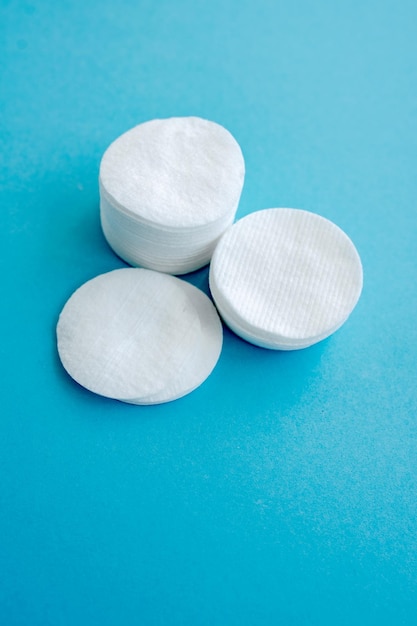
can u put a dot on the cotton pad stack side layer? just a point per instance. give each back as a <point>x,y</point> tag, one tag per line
<point>169,188</point>
<point>139,336</point>
<point>285,278</point>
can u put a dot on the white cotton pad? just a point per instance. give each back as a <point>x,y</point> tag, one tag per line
<point>168,189</point>
<point>129,334</point>
<point>285,278</point>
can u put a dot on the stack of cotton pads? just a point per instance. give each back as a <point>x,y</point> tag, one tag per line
<point>139,336</point>
<point>169,188</point>
<point>285,278</point>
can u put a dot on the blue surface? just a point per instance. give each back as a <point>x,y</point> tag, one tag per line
<point>284,490</point>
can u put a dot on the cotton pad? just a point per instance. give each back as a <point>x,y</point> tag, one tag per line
<point>285,278</point>
<point>169,188</point>
<point>132,335</point>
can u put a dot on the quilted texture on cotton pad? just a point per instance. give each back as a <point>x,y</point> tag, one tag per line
<point>285,278</point>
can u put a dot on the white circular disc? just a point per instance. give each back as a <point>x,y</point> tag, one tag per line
<point>180,172</point>
<point>285,278</point>
<point>126,334</point>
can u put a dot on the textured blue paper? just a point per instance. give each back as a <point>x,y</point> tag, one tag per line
<point>284,490</point>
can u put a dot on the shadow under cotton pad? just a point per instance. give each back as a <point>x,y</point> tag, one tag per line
<point>285,278</point>
<point>130,333</point>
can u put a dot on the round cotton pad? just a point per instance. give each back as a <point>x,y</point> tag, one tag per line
<point>285,278</point>
<point>169,188</point>
<point>128,333</point>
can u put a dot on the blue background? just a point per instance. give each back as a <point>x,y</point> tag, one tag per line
<point>284,490</point>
